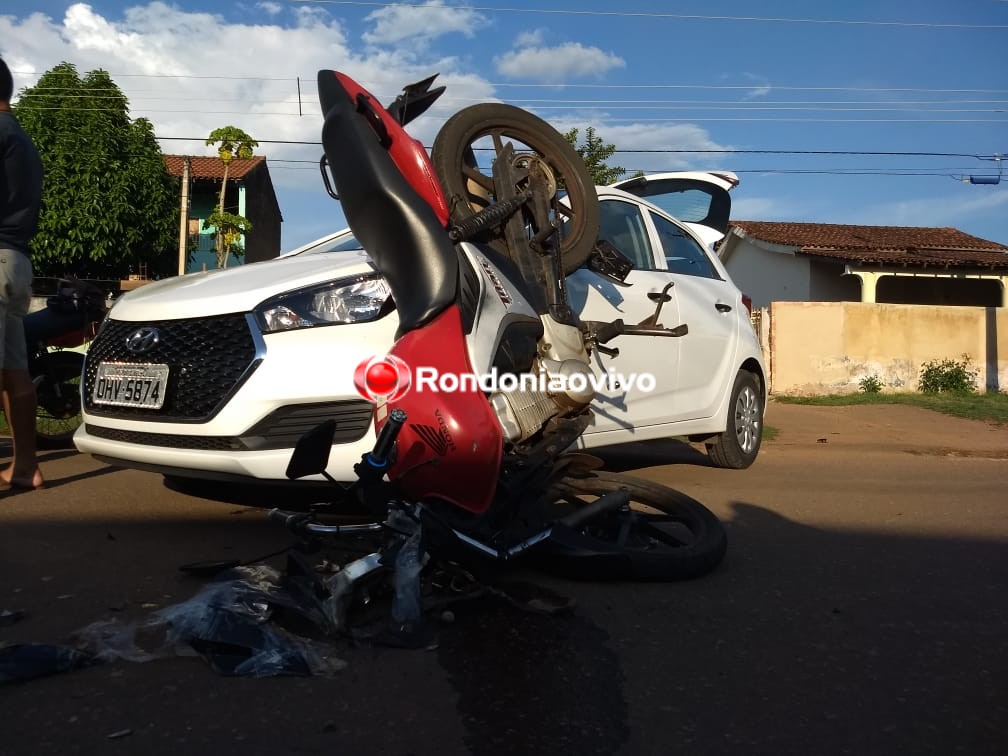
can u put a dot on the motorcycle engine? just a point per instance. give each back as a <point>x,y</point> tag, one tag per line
<point>552,388</point>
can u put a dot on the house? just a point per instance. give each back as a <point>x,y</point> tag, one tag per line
<point>824,262</point>
<point>249,193</point>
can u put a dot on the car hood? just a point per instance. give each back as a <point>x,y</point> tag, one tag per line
<point>241,289</point>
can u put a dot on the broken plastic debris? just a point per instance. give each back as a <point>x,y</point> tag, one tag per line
<point>229,623</point>
<point>26,661</point>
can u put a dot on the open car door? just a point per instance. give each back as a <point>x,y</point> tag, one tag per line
<point>697,198</point>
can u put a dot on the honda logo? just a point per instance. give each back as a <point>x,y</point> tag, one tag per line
<point>143,340</point>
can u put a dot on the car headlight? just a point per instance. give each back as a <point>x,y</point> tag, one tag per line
<point>335,302</point>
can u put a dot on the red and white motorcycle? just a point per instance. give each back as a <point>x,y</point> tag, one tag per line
<point>471,470</point>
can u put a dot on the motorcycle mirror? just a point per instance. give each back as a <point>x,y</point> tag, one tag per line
<point>311,454</point>
<point>608,261</point>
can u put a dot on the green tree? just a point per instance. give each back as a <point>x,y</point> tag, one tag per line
<point>108,204</point>
<point>234,143</point>
<point>595,152</point>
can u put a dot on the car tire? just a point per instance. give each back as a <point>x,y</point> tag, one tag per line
<point>738,446</point>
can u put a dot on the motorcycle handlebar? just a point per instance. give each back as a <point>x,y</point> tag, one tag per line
<point>294,522</point>
<point>386,438</point>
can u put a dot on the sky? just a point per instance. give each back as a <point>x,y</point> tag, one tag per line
<point>868,113</point>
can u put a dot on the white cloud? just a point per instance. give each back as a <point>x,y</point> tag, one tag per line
<point>961,205</point>
<point>760,91</point>
<point>653,141</point>
<point>557,64</point>
<point>270,8</point>
<point>534,38</point>
<point>423,22</point>
<point>189,73</point>
<point>756,208</point>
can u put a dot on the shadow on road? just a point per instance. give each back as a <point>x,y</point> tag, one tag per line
<point>659,451</point>
<point>805,640</point>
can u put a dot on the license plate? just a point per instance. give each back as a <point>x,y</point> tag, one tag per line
<point>130,385</point>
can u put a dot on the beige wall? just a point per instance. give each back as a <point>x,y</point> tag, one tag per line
<point>828,347</point>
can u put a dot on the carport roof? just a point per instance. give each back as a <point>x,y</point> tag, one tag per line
<point>888,245</point>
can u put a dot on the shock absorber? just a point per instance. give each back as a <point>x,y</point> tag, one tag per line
<point>488,218</point>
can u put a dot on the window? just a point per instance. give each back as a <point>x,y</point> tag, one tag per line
<point>622,225</point>
<point>682,254</point>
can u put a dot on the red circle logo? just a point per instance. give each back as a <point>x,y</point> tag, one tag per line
<point>385,378</point>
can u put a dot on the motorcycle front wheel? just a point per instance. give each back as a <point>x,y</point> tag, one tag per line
<point>473,140</point>
<point>663,535</point>
<point>58,412</point>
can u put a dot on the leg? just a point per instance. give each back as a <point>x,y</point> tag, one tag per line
<point>19,406</point>
<point>15,381</point>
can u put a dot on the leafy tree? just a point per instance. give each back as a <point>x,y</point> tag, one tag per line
<point>108,203</point>
<point>234,143</point>
<point>595,152</point>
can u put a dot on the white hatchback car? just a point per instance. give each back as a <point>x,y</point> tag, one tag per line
<point>215,393</point>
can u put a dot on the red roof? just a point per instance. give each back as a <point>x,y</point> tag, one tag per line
<point>901,245</point>
<point>211,167</point>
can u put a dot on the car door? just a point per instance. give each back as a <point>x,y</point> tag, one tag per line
<point>627,405</point>
<point>708,305</point>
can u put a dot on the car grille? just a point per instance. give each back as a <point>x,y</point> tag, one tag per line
<point>281,429</point>
<point>207,358</point>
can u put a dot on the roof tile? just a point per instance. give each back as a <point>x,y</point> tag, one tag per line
<point>211,167</point>
<point>909,245</point>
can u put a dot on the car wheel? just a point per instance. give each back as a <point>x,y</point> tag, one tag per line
<point>738,446</point>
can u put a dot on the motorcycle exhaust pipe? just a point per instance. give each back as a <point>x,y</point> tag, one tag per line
<point>607,503</point>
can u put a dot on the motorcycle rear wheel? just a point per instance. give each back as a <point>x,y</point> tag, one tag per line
<point>664,536</point>
<point>58,413</point>
<point>487,127</point>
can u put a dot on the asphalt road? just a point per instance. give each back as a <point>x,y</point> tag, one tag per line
<point>860,609</point>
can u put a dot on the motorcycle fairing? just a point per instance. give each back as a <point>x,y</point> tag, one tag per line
<point>452,443</point>
<point>395,223</point>
<point>407,153</point>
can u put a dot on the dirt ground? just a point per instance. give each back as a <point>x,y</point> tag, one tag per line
<point>860,610</point>
<point>893,427</point>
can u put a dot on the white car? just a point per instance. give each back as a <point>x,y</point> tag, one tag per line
<point>218,393</point>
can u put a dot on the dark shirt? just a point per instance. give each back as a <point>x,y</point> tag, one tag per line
<point>20,185</point>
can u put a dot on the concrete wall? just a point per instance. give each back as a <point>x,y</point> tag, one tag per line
<point>828,347</point>
<point>766,276</point>
<point>773,273</point>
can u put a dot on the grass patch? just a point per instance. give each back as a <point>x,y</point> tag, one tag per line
<point>769,432</point>
<point>989,407</point>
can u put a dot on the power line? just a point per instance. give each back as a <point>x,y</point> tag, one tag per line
<point>44,92</point>
<point>651,15</point>
<point>532,85</point>
<point>698,151</point>
<point>690,118</point>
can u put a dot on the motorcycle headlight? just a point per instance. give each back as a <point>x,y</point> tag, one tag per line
<point>332,303</point>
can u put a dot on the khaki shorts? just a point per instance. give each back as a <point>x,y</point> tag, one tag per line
<point>15,299</point>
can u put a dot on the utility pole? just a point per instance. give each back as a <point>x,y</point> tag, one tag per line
<point>184,218</point>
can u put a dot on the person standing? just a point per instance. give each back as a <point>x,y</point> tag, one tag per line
<point>20,196</point>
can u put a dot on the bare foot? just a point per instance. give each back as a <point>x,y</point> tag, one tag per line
<point>28,483</point>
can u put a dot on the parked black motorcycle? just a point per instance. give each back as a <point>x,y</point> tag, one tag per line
<point>69,320</point>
